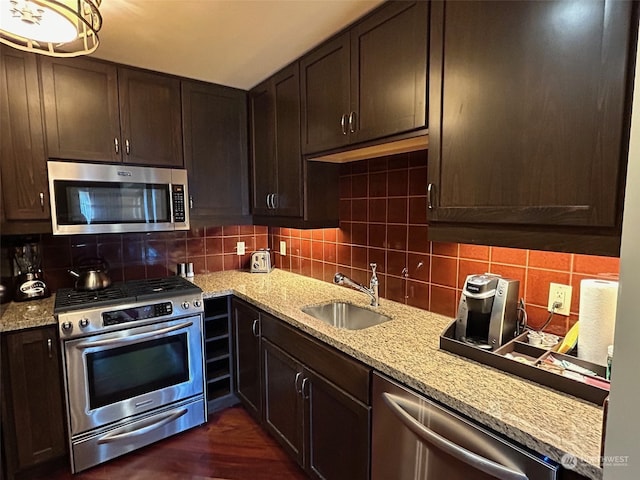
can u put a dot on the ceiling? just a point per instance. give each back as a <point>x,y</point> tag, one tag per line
<point>230,42</point>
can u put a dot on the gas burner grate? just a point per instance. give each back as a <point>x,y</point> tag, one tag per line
<point>69,299</point>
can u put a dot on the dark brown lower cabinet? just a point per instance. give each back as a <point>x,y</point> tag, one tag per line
<point>283,402</point>
<point>247,366</point>
<point>316,403</point>
<point>32,407</point>
<point>314,400</point>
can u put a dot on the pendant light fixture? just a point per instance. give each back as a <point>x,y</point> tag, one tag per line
<point>58,28</point>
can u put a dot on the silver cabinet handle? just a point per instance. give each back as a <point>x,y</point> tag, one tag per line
<point>430,196</point>
<point>127,146</point>
<point>398,406</point>
<point>274,200</point>
<point>50,347</point>
<point>298,390</point>
<point>41,195</point>
<point>303,388</point>
<point>145,426</point>
<point>352,122</point>
<point>255,328</point>
<point>343,124</point>
<point>190,201</point>
<point>269,201</point>
<point>116,145</point>
<point>133,338</point>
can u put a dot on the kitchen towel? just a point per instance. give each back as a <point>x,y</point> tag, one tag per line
<point>598,299</point>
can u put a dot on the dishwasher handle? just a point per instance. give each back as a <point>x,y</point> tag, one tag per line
<point>430,437</point>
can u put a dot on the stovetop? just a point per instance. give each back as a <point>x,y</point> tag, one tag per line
<point>69,299</point>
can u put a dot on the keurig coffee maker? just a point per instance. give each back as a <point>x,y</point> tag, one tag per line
<point>29,280</point>
<point>488,311</point>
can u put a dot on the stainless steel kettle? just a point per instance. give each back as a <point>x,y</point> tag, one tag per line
<point>93,275</point>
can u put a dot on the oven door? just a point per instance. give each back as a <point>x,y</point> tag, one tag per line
<point>116,375</point>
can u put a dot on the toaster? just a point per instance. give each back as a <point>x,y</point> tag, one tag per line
<point>261,261</point>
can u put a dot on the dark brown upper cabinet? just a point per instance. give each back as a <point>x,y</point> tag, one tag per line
<point>23,161</point>
<point>81,109</point>
<point>215,152</point>
<point>287,190</point>
<point>97,111</point>
<point>151,119</point>
<point>529,122</point>
<point>369,82</point>
<point>277,162</point>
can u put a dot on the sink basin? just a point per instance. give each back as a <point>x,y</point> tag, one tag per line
<point>345,315</point>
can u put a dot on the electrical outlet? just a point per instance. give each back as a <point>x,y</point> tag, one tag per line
<point>240,248</point>
<point>559,293</point>
<point>283,248</point>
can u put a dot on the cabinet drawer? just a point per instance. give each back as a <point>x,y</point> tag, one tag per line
<point>348,374</point>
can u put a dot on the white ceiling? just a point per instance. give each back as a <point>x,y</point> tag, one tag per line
<point>230,42</point>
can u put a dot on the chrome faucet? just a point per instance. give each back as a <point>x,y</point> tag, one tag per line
<point>372,290</point>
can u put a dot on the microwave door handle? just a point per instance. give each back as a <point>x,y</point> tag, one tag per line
<point>146,427</point>
<point>430,437</point>
<point>132,339</point>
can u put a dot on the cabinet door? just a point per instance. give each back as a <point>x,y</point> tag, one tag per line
<point>34,397</point>
<point>338,429</point>
<point>81,109</point>
<point>389,71</point>
<point>22,152</point>
<point>283,407</point>
<point>527,118</point>
<point>246,334</point>
<point>324,88</point>
<point>150,116</point>
<point>263,147</point>
<point>215,149</point>
<point>286,94</point>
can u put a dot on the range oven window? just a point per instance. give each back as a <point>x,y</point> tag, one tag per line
<point>125,372</point>
<point>90,203</point>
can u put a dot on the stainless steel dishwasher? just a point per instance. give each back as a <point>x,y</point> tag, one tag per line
<point>416,439</point>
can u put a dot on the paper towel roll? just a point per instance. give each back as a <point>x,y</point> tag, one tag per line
<point>598,299</point>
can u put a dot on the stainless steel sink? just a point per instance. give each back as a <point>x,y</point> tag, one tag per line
<point>345,315</point>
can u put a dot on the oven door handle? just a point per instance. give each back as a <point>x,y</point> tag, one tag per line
<point>146,427</point>
<point>132,339</point>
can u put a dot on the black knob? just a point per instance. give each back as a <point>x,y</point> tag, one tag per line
<point>67,326</point>
<point>84,322</point>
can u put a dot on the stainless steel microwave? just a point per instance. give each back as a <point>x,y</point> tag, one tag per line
<point>101,198</point>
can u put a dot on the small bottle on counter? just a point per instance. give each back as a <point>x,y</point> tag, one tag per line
<point>609,361</point>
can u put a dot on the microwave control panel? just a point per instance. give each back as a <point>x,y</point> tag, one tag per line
<point>178,203</point>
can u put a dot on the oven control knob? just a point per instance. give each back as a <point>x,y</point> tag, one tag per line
<point>197,303</point>
<point>185,305</point>
<point>84,322</point>
<point>67,326</point>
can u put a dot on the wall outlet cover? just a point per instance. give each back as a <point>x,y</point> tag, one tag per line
<point>240,248</point>
<point>559,293</point>
<point>283,248</point>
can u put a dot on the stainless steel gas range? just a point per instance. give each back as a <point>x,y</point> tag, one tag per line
<point>133,365</point>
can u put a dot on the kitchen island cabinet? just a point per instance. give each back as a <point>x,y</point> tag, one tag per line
<point>215,153</point>
<point>369,82</point>
<point>99,111</point>
<point>32,399</point>
<point>529,123</point>
<point>23,160</point>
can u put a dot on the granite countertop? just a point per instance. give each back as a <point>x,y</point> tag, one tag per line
<point>407,349</point>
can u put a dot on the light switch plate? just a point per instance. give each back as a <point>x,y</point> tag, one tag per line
<point>283,248</point>
<point>240,248</point>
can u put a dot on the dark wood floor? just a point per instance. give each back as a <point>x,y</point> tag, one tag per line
<point>231,446</point>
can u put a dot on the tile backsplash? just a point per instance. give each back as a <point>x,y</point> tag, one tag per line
<point>383,220</point>
<point>133,256</point>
